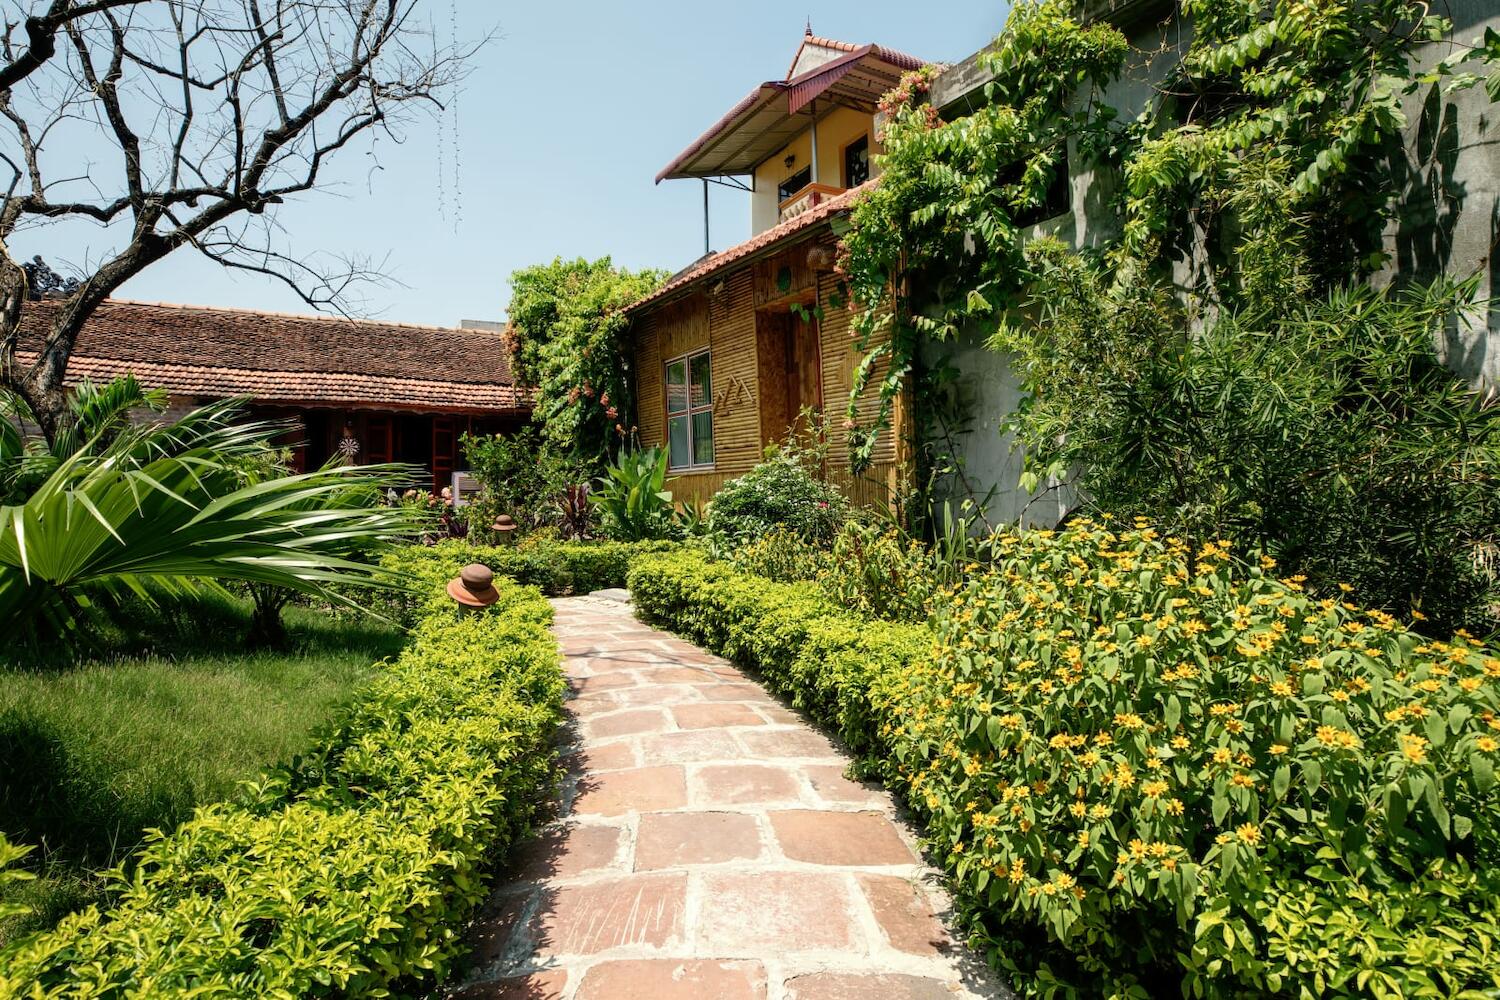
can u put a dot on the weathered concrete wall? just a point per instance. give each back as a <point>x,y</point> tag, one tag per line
<point>1449,218</point>
<point>1448,222</point>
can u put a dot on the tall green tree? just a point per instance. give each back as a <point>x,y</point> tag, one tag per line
<point>570,342</point>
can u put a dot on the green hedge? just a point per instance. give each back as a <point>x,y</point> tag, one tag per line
<point>556,568</point>
<point>350,872</point>
<point>830,663</point>
<point>1155,770</point>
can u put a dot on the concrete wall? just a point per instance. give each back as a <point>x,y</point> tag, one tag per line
<point>1449,222</point>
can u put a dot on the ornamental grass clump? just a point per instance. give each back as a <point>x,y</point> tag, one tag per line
<point>1159,769</point>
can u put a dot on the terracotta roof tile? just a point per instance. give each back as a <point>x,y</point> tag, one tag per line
<point>202,351</point>
<point>757,244</point>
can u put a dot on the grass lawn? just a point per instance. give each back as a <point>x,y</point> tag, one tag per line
<point>173,713</point>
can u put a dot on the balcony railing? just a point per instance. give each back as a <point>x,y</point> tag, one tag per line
<point>809,197</point>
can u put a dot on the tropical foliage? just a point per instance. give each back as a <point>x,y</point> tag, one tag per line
<point>521,477</point>
<point>353,869</point>
<point>568,333</point>
<point>177,508</point>
<point>1155,769</point>
<point>632,498</point>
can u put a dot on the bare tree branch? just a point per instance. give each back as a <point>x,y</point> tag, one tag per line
<point>218,112</point>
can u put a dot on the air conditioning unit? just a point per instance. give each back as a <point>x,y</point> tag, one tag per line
<point>464,488</point>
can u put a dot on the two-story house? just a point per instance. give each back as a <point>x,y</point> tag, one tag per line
<point>731,350</point>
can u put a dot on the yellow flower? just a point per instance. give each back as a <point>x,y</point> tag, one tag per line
<point>1249,833</point>
<point>1486,744</point>
<point>1153,789</point>
<point>1414,747</point>
<point>1277,749</point>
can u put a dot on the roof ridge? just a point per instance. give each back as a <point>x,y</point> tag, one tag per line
<point>755,244</point>
<point>308,317</point>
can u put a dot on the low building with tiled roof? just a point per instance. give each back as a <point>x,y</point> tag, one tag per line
<point>384,391</point>
<point>736,346</point>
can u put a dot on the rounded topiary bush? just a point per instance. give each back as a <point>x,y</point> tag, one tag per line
<point>781,492</point>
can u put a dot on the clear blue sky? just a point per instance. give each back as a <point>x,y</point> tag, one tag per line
<point>566,118</point>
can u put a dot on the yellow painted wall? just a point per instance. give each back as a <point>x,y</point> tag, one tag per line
<point>835,131</point>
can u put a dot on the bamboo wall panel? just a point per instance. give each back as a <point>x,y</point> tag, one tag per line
<point>649,403</point>
<point>736,385</point>
<point>789,264</point>
<point>726,322</point>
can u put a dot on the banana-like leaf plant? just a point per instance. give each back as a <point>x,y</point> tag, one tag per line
<point>174,509</point>
<point>633,500</point>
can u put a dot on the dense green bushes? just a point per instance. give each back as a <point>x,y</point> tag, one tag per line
<point>829,662</point>
<point>354,868</point>
<point>783,491</point>
<point>555,568</point>
<point>1152,769</point>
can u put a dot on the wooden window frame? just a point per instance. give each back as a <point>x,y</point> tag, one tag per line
<point>690,412</point>
<point>844,157</point>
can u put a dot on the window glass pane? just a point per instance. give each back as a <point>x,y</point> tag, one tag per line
<point>794,183</point>
<point>677,436</point>
<point>702,392</point>
<point>857,162</point>
<point>677,397</point>
<point>703,438</point>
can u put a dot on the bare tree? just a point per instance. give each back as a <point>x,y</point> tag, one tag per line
<point>205,115</point>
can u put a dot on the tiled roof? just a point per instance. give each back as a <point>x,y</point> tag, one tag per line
<point>757,244</point>
<point>282,357</point>
<point>893,56</point>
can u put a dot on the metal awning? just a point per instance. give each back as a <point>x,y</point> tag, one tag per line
<point>774,113</point>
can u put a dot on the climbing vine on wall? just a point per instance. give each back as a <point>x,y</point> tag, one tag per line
<point>1256,169</point>
<point>1211,358</point>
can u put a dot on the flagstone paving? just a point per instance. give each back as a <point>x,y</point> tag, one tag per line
<point>709,846</point>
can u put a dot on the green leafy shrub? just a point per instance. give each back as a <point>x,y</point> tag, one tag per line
<point>570,339</point>
<point>632,498</point>
<point>520,476</point>
<point>1152,769</point>
<point>828,661</point>
<point>781,492</point>
<point>555,568</point>
<point>355,867</point>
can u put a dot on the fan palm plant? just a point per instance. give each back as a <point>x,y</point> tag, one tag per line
<point>173,510</point>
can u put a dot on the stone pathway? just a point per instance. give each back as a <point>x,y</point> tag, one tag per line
<point>709,846</point>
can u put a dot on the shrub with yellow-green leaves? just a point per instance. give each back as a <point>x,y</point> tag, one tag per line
<point>1155,769</point>
<point>351,871</point>
<point>555,567</point>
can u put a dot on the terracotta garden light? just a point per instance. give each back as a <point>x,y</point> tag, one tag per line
<point>474,587</point>
<point>505,527</point>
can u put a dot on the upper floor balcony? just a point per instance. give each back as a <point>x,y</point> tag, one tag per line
<point>810,196</point>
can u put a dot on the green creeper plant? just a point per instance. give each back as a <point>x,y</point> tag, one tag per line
<point>569,341</point>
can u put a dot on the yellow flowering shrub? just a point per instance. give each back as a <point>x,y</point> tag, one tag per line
<point>1150,764</point>
<point>1158,770</point>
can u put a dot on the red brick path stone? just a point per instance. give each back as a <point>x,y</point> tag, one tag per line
<point>709,846</point>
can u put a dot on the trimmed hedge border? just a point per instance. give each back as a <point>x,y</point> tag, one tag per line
<point>1003,764</point>
<point>556,568</point>
<point>834,665</point>
<point>350,873</point>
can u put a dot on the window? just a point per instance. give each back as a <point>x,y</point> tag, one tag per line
<point>857,162</point>
<point>690,413</point>
<point>794,183</point>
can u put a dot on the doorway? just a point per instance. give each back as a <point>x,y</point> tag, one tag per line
<point>789,372</point>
